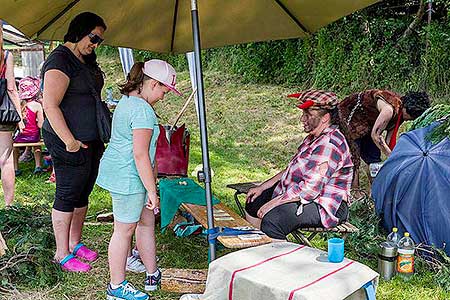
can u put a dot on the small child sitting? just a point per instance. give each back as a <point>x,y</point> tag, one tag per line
<point>33,115</point>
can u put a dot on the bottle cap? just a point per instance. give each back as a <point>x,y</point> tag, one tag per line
<point>394,229</point>
<point>406,234</point>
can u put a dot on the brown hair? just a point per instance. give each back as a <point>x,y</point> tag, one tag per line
<point>134,79</point>
<point>23,107</point>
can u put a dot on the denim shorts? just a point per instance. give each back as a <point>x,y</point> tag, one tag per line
<point>128,208</point>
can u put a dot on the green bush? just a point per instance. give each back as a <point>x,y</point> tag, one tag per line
<point>364,50</point>
<point>29,237</point>
<point>354,53</point>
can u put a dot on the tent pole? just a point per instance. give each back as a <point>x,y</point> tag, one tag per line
<point>206,176</point>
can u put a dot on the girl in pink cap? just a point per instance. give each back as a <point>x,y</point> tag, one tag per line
<point>128,170</point>
<point>33,115</point>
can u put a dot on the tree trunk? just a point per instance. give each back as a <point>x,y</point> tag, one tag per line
<point>419,15</point>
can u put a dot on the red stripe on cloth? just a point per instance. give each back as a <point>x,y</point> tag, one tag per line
<point>230,292</point>
<point>291,295</point>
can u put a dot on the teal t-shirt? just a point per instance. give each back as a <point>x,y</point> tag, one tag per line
<point>118,172</point>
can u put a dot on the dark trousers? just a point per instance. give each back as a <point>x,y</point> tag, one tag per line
<point>75,172</point>
<point>283,219</point>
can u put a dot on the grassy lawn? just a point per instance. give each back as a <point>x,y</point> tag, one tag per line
<point>253,131</point>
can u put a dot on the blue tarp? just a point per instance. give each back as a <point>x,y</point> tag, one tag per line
<point>412,189</point>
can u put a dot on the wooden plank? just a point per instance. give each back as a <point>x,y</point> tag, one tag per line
<point>345,228</point>
<point>106,217</point>
<point>184,280</point>
<point>3,246</point>
<point>235,242</point>
<point>351,227</point>
<point>226,217</point>
<point>340,228</point>
<point>36,144</point>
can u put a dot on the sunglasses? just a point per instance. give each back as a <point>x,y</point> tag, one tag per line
<point>95,39</point>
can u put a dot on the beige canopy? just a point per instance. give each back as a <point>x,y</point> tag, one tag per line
<point>165,25</point>
<point>173,25</point>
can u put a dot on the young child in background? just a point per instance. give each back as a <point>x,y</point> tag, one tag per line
<point>33,115</point>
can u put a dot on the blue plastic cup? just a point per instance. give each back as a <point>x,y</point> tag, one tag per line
<point>335,250</point>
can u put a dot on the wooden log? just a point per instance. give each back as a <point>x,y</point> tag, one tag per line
<point>184,280</point>
<point>3,246</point>
<point>36,144</point>
<point>107,217</point>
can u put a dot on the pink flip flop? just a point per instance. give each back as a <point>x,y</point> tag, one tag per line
<point>71,264</point>
<point>84,252</point>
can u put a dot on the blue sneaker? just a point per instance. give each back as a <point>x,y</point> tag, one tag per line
<point>126,291</point>
<point>152,282</point>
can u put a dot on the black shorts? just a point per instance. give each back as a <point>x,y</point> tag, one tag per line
<point>283,219</point>
<point>75,172</point>
<point>369,152</point>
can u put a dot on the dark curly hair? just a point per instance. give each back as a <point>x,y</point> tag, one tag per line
<point>415,103</point>
<point>80,27</point>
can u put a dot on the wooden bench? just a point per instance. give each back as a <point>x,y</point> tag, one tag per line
<point>226,217</point>
<point>344,229</point>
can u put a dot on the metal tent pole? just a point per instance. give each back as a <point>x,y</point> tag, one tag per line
<point>206,174</point>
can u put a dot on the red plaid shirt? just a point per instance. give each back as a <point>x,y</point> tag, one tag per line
<point>302,179</point>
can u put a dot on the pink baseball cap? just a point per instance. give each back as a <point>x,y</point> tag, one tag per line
<point>28,87</point>
<point>162,72</point>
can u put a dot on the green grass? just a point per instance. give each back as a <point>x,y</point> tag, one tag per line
<point>253,130</point>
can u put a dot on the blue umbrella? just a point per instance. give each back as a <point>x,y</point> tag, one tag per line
<point>412,189</point>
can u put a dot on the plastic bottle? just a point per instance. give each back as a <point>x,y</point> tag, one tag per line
<point>109,95</point>
<point>393,237</point>
<point>374,168</point>
<point>405,259</point>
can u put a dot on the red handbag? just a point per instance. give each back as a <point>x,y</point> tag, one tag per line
<point>172,151</point>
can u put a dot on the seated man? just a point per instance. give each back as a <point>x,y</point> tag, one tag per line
<point>313,191</point>
<point>365,116</point>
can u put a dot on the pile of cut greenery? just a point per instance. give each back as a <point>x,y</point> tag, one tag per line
<point>29,237</point>
<point>438,112</point>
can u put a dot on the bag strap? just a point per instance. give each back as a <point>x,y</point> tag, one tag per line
<point>3,70</point>
<point>91,85</point>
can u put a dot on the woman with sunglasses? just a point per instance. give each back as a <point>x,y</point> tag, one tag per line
<point>71,78</point>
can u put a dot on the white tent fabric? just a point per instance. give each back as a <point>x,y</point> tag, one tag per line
<point>193,75</point>
<point>32,60</point>
<point>14,36</point>
<point>127,60</point>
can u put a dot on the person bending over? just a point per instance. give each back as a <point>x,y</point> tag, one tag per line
<point>367,115</point>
